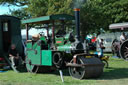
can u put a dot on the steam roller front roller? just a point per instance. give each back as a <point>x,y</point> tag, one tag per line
<point>124,50</point>
<point>85,67</point>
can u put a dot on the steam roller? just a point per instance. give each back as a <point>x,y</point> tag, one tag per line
<point>64,49</point>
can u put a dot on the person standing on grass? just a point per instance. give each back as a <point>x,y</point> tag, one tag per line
<point>101,47</point>
<point>122,37</point>
<point>13,55</point>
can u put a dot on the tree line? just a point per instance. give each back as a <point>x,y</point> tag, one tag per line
<point>94,14</point>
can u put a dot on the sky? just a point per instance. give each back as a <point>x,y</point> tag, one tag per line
<point>4,9</point>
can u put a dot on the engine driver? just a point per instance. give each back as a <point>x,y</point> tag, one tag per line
<point>36,37</point>
<point>60,32</point>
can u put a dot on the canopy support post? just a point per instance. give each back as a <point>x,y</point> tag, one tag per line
<point>47,30</point>
<point>53,33</point>
<point>27,31</point>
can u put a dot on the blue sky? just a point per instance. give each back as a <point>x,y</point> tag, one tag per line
<point>4,9</point>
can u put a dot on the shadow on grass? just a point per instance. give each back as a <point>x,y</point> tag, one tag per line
<point>56,72</point>
<point>65,72</point>
<point>115,73</point>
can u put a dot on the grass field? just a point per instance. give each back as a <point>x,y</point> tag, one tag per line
<point>116,74</point>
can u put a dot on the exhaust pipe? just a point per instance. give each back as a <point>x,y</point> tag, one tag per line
<point>77,22</point>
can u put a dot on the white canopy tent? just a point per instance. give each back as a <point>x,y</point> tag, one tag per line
<point>118,25</point>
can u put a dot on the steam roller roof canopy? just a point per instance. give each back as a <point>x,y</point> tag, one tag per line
<point>118,25</point>
<point>48,19</point>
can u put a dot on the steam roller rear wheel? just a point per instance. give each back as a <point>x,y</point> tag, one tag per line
<point>124,50</point>
<point>77,72</point>
<point>82,72</point>
<point>30,67</point>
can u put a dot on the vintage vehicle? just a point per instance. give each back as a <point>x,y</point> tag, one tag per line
<point>10,33</point>
<point>61,50</point>
<point>120,48</point>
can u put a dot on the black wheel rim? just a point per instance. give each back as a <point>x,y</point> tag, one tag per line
<point>124,50</point>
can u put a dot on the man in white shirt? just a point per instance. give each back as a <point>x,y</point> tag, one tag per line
<point>122,37</point>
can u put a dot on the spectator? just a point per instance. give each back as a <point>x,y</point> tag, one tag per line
<point>101,47</point>
<point>13,55</point>
<point>122,37</point>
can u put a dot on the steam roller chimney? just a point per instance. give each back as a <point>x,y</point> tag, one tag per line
<point>77,22</point>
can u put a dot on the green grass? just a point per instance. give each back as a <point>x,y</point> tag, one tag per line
<point>116,74</point>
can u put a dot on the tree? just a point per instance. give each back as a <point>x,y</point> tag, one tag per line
<point>48,7</point>
<point>117,10</point>
<point>100,13</point>
<point>94,14</point>
<point>91,17</point>
<point>14,2</point>
<point>20,13</point>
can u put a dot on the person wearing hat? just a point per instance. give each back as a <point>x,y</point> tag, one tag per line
<point>122,37</point>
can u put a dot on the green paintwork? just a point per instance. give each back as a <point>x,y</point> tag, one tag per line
<point>38,56</point>
<point>30,67</point>
<point>62,17</point>
<point>34,45</point>
<point>67,36</point>
<point>59,41</point>
<point>45,19</point>
<point>63,43</point>
<point>29,45</point>
<point>38,19</point>
<point>43,39</point>
<point>66,47</point>
<point>46,57</point>
<point>33,53</point>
